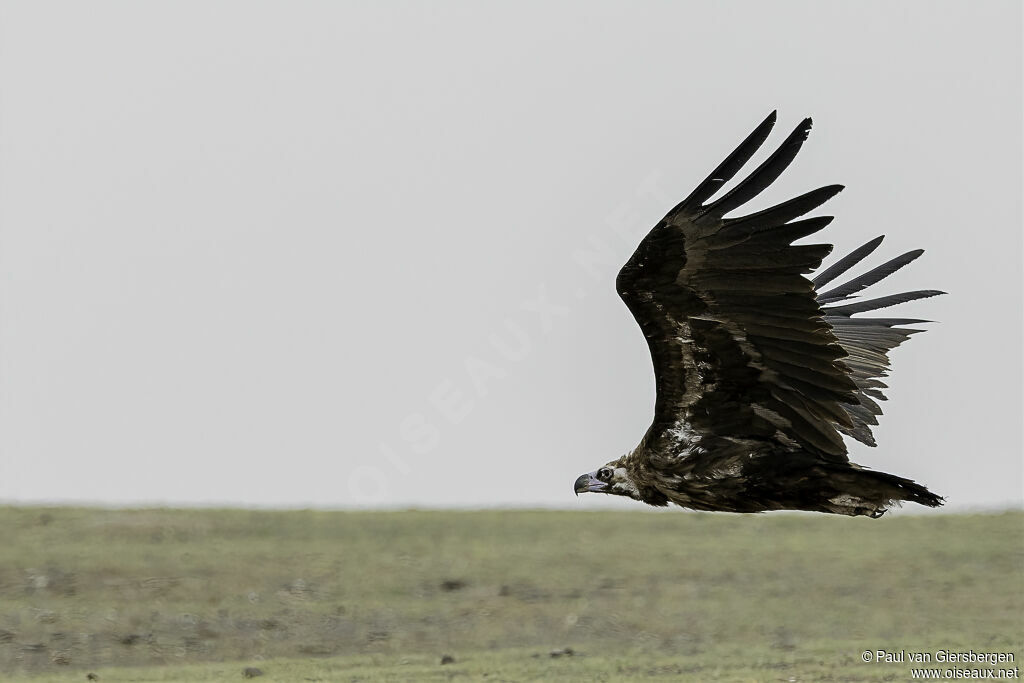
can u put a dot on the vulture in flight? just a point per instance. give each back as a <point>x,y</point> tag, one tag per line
<point>760,371</point>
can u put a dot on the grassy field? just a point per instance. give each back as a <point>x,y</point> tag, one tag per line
<point>198,595</point>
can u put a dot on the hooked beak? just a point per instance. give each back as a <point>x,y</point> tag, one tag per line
<point>589,483</point>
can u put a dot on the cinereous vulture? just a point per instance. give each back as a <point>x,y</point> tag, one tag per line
<point>760,369</point>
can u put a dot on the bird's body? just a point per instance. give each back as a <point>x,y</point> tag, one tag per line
<point>748,476</point>
<point>759,371</point>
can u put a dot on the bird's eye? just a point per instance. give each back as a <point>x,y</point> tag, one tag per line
<point>604,473</point>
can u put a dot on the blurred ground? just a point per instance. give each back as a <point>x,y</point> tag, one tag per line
<point>509,595</point>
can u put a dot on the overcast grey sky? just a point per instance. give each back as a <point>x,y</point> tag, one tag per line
<point>335,254</point>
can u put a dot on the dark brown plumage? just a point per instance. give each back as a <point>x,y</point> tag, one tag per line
<point>759,371</point>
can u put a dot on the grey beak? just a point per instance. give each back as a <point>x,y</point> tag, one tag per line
<point>582,484</point>
<point>589,483</point>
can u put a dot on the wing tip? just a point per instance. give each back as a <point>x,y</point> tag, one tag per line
<point>766,126</point>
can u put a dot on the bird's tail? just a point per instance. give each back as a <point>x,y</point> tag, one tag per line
<point>867,492</point>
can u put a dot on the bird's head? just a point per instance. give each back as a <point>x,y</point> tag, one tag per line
<point>613,479</point>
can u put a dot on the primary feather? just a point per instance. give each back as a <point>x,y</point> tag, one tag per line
<point>757,378</point>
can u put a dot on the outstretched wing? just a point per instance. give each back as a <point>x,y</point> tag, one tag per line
<point>741,347</point>
<point>867,341</point>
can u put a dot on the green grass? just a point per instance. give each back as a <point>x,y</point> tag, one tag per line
<point>197,595</point>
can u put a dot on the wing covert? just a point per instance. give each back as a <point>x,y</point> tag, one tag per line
<point>740,346</point>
